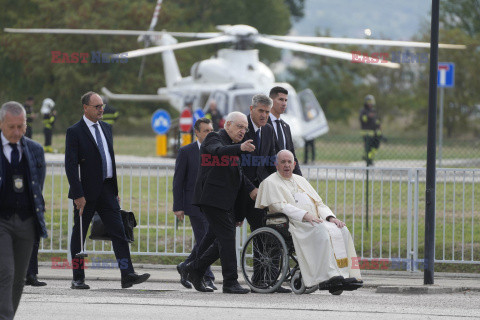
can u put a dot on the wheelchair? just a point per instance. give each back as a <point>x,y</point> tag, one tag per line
<point>270,250</point>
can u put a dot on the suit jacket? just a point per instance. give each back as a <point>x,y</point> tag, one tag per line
<point>256,172</point>
<point>220,177</point>
<point>81,149</point>
<point>33,153</point>
<point>288,143</point>
<point>184,178</point>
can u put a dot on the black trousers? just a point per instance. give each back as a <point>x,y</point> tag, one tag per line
<point>218,242</point>
<point>200,227</point>
<point>29,132</point>
<point>109,210</point>
<point>48,137</point>
<point>309,144</point>
<point>33,265</point>
<point>255,219</point>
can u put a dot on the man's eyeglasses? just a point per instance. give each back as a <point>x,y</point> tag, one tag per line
<point>240,127</point>
<point>98,106</point>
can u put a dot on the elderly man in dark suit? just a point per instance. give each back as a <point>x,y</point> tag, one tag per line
<point>89,144</point>
<point>186,169</point>
<point>258,165</point>
<point>22,174</point>
<point>218,183</point>
<point>283,135</point>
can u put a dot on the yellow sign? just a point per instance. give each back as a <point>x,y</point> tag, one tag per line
<point>161,145</point>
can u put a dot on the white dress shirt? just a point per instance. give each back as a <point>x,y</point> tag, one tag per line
<point>274,124</point>
<point>105,144</point>
<point>7,150</point>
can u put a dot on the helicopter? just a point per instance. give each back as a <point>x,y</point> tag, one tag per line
<point>235,74</point>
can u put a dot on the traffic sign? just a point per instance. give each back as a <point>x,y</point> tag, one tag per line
<point>161,121</point>
<point>186,120</point>
<point>446,75</point>
<point>197,115</point>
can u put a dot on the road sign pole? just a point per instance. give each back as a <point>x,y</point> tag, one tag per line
<point>429,258</point>
<point>440,128</point>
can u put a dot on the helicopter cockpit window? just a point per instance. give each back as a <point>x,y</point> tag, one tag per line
<point>221,100</point>
<point>242,103</point>
<point>310,106</point>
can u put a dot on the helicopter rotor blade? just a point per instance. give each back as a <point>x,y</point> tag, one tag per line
<point>188,44</point>
<point>323,52</point>
<point>200,35</point>
<point>375,42</point>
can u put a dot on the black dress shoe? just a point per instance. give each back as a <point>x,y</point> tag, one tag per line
<point>350,284</point>
<point>333,282</point>
<point>134,278</point>
<point>283,290</point>
<point>183,276</point>
<point>79,284</point>
<point>235,289</point>
<point>33,281</point>
<point>209,283</point>
<point>196,279</point>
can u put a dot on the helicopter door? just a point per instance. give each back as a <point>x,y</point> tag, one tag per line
<point>314,121</point>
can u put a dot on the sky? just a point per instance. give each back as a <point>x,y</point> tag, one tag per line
<point>387,19</point>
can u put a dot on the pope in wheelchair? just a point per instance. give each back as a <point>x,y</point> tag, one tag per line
<point>323,245</point>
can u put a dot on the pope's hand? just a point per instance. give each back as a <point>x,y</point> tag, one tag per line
<point>311,218</point>
<point>339,223</point>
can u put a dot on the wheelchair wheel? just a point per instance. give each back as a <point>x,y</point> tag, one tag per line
<point>265,260</point>
<point>297,285</point>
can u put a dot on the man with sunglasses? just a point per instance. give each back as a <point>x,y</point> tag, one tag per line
<point>89,144</point>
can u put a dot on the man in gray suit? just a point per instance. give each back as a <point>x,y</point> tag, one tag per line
<point>22,174</point>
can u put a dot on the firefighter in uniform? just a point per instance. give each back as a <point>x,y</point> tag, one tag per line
<point>49,116</point>
<point>370,125</point>
<point>110,114</point>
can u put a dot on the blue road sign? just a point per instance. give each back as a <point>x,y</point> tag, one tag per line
<point>161,121</point>
<point>197,115</point>
<point>446,75</point>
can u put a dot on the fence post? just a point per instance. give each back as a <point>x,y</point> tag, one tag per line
<point>415,223</point>
<point>70,228</point>
<point>409,220</point>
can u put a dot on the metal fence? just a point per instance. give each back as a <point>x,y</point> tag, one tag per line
<point>383,208</point>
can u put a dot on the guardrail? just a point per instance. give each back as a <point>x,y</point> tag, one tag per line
<point>382,207</point>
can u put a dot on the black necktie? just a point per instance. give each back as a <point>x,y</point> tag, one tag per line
<point>14,156</point>
<point>102,151</point>
<point>257,139</point>
<point>281,144</point>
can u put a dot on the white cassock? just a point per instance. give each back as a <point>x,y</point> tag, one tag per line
<point>323,250</point>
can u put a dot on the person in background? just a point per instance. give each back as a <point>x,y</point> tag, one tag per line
<point>370,125</point>
<point>215,115</point>
<point>110,114</point>
<point>28,105</point>
<point>49,116</point>
<point>283,135</point>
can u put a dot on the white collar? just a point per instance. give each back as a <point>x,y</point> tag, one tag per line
<point>255,128</point>
<point>273,117</point>
<point>5,141</point>
<point>89,122</point>
<point>199,144</point>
